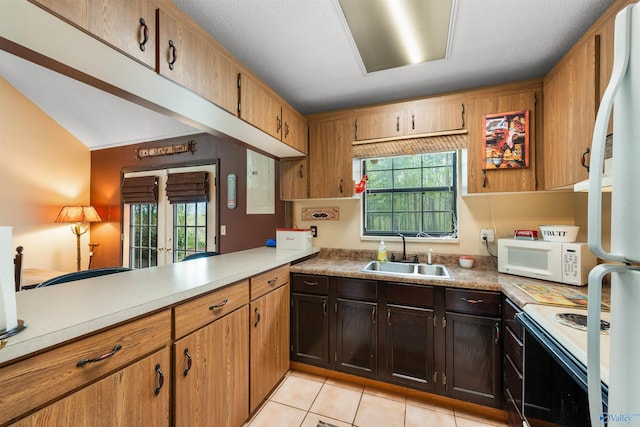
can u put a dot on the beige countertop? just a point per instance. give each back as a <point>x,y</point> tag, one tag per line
<point>57,314</point>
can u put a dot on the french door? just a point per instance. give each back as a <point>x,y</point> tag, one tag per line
<point>162,233</point>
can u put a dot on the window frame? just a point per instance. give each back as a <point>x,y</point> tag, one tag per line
<point>457,163</point>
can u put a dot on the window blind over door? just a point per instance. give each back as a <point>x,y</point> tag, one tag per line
<point>140,189</point>
<point>188,187</point>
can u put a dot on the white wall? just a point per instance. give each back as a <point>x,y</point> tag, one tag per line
<point>42,168</point>
<point>503,213</point>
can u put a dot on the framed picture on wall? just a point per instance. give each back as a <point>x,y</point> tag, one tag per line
<point>506,140</point>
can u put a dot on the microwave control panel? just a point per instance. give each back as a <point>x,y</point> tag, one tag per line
<point>577,261</point>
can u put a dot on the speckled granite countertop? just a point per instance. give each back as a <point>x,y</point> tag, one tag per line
<point>484,276</point>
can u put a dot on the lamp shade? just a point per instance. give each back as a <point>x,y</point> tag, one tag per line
<point>78,214</point>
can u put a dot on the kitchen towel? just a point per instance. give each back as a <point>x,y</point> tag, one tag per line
<point>8,313</point>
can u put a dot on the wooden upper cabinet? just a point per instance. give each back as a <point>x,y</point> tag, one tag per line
<point>502,99</point>
<point>264,109</point>
<point>128,26</point>
<point>294,129</point>
<point>570,92</point>
<point>195,61</point>
<point>294,179</point>
<point>74,11</point>
<point>379,122</point>
<point>330,158</point>
<point>434,115</point>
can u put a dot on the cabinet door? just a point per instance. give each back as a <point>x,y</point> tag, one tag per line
<point>409,346</point>
<point>294,132</point>
<point>434,115</point>
<point>502,100</point>
<point>569,115</point>
<point>310,329</point>
<point>128,26</point>
<point>379,123</point>
<point>330,159</point>
<point>138,395</point>
<point>259,107</point>
<point>294,179</point>
<point>74,11</point>
<point>211,373</point>
<point>474,359</point>
<point>269,342</point>
<point>356,337</point>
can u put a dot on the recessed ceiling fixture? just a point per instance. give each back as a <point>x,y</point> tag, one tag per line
<point>395,33</point>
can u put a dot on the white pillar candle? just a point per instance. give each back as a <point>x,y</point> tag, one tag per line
<point>8,313</point>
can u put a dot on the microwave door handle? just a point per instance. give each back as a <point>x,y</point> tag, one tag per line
<point>622,42</point>
<point>593,338</point>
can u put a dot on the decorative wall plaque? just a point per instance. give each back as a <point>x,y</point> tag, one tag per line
<point>187,147</point>
<point>313,214</point>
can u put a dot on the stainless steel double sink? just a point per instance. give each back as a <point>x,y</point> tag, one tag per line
<point>404,269</point>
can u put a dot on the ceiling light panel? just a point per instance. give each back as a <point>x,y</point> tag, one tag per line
<point>395,33</point>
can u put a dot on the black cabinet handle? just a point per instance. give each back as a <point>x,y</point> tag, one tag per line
<point>324,308</point>
<point>306,282</point>
<point>389,317</point>
<point>472,301</point>
<point>220,305</point>
<point>286,129</point>
<point>160,379</point>
<point>341,181</point>
<point>84,362</point>
<point>145,34</point>
<point>397,123</point>
<point>173,54</point>
<point>373,315</point>
<point>583,159</point>
<point>413,121</point>
<point>255,325</point>
<point>278,124</point>
<point>497,336</point>
<point>189,361</point>
<point>300,172</point>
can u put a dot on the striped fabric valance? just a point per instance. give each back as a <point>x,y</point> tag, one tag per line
<point>408,146</point>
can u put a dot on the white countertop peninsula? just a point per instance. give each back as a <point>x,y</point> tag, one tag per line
<point>61,313</point>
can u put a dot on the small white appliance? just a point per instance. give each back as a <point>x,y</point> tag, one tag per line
<point>623,91</point>
<point>567,263</point>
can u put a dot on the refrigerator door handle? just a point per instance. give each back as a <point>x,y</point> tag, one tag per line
<point>593,339</point>
<point>622,43</point>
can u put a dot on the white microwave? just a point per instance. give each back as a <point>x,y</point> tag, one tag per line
<point>567,263</point>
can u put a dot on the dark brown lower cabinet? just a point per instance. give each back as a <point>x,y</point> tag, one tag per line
<point>357,337</point>
<point>310,329</point>
<point>474,358</point>
<point>409,346</point>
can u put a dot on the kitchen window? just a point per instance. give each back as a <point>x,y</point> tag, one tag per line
<point>413,195</point>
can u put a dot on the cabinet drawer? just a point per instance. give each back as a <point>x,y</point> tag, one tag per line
<point>513,386</point>
<point>510,321</point>
<point>473,302</point>
<point>195,314</point>
<point>308,284</point>
<point>41,379</point>
<point>412,295</point>
<point>266,282</point>
<point>364,290</point>
<point>513,349</point>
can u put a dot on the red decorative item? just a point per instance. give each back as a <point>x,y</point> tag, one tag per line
<point>362,185</point>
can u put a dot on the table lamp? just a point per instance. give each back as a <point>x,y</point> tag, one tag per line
<point>80,216</point>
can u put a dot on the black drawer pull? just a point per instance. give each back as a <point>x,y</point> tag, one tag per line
<point>173,55</point>
<point>472,301</point>
<point>273,281</point>
<point>308,283</point>
<point>222,304</point>
<point>84,362</point>
<point>145,34</point>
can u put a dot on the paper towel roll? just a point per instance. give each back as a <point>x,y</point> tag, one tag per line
<point>8,313</point>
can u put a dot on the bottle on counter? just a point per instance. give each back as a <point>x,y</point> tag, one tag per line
<point>382,252</point>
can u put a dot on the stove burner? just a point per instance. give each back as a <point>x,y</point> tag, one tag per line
<point>579,321</point>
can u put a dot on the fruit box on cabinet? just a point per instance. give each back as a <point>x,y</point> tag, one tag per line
<point>293,238</point>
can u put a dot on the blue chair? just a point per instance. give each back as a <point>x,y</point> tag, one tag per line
<point>85,274</point>
<point>200,255</point>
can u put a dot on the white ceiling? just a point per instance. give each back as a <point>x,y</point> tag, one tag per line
<point>302,49</point>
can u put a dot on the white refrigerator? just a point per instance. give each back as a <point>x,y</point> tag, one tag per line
<point>622,97</point>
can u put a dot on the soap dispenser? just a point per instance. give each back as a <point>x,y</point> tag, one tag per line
<point>382,252</point>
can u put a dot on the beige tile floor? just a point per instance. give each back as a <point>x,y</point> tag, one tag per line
<point>303,400</point>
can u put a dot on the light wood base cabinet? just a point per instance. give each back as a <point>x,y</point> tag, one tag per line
<point>138,395</point>
<point>212,373</point>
